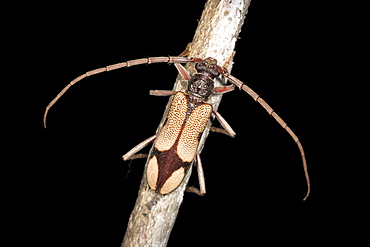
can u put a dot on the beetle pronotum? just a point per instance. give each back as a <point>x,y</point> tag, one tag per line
<point>176,143</point>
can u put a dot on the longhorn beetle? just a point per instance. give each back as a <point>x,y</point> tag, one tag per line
<point>176,143</point>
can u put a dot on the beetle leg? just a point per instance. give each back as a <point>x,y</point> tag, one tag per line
<point>202,184</point>
<point>224,89</point>
<point>162,92</point>
<point>182,71</point>
<point>131,154</point>
<point>224,124</point>
<point>137,156</point>
<point>181,68</point>
<point>220,130</point>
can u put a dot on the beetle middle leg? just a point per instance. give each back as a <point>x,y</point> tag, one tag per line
<point>227,127</point>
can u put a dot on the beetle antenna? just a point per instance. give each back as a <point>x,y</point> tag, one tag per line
<point>272,113</point>
<point>113,67</point>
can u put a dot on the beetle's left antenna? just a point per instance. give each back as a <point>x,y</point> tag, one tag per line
<point>272,113</point>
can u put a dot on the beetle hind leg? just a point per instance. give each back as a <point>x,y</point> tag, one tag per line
<point>229,131</point>
<point>202,185</point>
<point>130,155</point>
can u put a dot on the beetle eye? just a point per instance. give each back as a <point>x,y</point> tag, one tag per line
<point>200,67</point>
<point>214,72</point>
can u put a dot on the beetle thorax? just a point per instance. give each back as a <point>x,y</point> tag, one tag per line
<point>200,87</point>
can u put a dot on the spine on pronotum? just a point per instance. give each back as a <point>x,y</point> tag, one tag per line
<point>176,144</point>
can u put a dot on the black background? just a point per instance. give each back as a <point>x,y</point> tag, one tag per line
<point>69,183</point>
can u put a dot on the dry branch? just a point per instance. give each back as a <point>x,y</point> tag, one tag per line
<point>154,215</point>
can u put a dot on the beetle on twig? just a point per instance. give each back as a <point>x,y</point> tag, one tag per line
<point>176,144</point>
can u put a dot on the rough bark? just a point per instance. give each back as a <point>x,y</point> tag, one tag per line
<point>154,215</point>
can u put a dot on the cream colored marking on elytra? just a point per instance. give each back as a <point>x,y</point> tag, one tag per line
<point>176,116</point>
<point>173,181</point>
<point>152,172</point>
<point>188,142</point>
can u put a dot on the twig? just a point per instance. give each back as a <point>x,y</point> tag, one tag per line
<point>154,215</point>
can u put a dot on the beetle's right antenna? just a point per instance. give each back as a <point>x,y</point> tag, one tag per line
<point>113,67</point>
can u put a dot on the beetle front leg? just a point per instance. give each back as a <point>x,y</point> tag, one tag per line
<point>224,89</point>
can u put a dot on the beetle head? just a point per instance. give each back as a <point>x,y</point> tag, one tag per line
<point>208,67</point>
